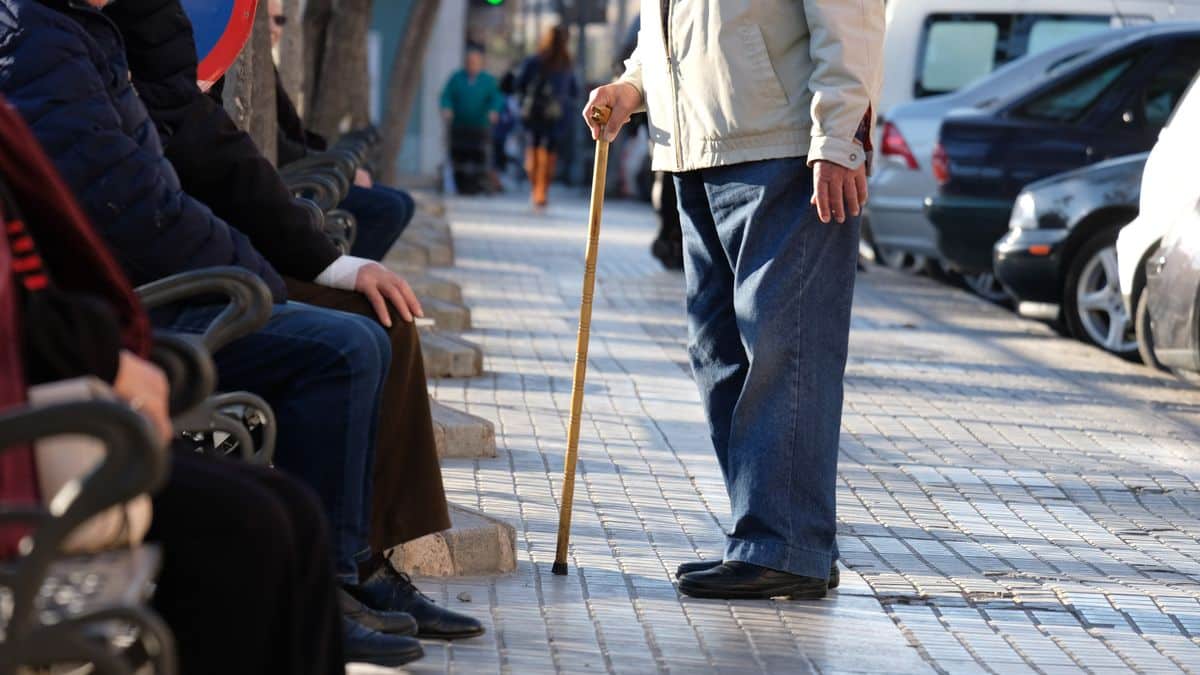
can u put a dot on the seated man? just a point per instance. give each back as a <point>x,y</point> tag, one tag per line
<point>273,612</point>
<point>221,166</point>
<point>322,371</point>
<point>382,212</point>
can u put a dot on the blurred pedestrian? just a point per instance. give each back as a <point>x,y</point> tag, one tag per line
<point>545,85</point>
<point>471,103</point>
<point>764,117</point>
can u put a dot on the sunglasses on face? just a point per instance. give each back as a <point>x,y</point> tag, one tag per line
<point>280,20</point>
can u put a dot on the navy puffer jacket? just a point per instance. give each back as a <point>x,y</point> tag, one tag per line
<point>63,67</point>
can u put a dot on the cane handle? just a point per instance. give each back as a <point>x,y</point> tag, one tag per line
<point>600,114</point>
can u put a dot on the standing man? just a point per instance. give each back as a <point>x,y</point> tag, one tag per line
<point>471,102</point>
<point>763,112</point>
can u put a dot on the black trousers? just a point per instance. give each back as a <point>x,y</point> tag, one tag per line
<point>247,583</point>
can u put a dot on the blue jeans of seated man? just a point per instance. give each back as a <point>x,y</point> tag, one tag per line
<point>769,288</point>
<point>382,213</point>
<point>322,372</point>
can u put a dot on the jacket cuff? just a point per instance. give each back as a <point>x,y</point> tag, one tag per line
<point>342,273</point>
<point>849,154</point>
<point>633,77</point>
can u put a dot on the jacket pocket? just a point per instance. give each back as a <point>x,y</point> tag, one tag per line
<point>762,72</point>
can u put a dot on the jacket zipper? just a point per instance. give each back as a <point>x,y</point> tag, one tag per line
<point>674,85</point>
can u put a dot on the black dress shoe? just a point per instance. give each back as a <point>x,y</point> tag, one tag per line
<point>364,645</point>
<point>388,590</point>
<point>736,580</point>
<point>392,623</point>
<point>835,575</point>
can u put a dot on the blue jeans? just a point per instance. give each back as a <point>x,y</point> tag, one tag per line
<point>322,372</point>
<point>382,214</point>
<point>769,289</point>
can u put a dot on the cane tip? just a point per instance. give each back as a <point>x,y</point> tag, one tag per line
<point>600,114</point>
<point>559,568</point>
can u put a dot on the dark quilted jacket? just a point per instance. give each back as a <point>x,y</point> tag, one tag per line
<point>217,163</point>
<point>63,67</point>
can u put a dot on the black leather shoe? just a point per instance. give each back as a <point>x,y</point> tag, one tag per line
<point>392,623</point>
<point>364,645</point>
<point>736,580</point>
<point>835,575</point>
<point>388,590</point>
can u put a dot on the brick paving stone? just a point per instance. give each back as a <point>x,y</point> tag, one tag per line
<point>1009,500</point>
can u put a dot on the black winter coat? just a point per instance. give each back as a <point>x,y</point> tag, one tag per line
<point>62,66</point>
<point>217,162</point>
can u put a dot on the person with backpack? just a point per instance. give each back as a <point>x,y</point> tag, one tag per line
<point>545,85</point>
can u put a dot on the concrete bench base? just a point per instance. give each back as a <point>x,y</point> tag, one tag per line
<point>460,434</point>
<point>447,355</point>
<point>407,254</point>
<point>428,202</point>
<point>430,286</point>
<point>438,244</point>
<point>475,545</point>
<point>448,315</point>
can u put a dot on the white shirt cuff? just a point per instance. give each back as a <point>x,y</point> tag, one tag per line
<point>342,273</point>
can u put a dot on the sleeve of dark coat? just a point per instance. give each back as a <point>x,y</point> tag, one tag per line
<point>120,177</point>
<point>217,163</point>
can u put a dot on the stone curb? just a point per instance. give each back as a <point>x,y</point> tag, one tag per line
<point>448,355</point>
<point>475,545</point>
<point>460,434</point>
<point>448,315</point>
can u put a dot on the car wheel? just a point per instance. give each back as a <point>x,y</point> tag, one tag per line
<point>1092,298</point>
<point>985,285</point>
<point>902,260</point>
<point>1142,332</point>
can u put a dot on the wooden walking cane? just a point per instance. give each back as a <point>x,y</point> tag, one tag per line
<point>599,115</point>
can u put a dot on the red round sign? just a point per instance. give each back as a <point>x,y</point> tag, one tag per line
<point>221,28</point>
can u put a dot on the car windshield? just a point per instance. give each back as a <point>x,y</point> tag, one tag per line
<point>960,48</point>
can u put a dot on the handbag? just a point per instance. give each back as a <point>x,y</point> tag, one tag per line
<point>62,460</point>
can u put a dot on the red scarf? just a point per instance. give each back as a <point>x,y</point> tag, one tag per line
<point>73,254</point>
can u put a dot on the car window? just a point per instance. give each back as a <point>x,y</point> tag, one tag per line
<point>1071,101</point>
<point>1187,113</point>
<point>960,48</point>
<point>1049,33</point>
<point>958,53</point>
<point>1166,86</point>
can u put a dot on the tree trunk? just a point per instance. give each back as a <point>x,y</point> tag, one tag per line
<point>403,82</point>
<point>317,15</point>
<point>250,87</point>
<point>340,95</point>
<point>291,55</point>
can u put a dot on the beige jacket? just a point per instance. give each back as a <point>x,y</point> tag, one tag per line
<point>742,80</point>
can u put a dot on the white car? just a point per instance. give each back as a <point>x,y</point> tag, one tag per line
<point>1169,188</point>
<point>937,46</point>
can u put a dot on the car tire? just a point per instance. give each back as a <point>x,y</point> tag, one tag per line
<point>1144,333</point>
<point>985,285</point>
<point>1092,297</point>
<point>902,261</point>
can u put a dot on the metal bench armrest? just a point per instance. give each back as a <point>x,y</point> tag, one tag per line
<point>189,369</point>
<point>134,463</point>
<point>249,300</point>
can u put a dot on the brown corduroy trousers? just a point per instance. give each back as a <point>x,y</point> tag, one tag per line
<point>409,500</point>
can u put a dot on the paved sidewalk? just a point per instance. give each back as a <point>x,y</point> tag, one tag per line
<point>1010,501</point>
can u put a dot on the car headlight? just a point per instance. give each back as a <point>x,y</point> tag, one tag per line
<point>1024,213</point>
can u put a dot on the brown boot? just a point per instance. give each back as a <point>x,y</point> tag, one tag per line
<point>547,169</point>
<point>531,170</point>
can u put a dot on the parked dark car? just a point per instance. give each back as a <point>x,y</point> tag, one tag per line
<point>1109,104</point>
<point>1173,294</point>
<point>1059,258</point>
